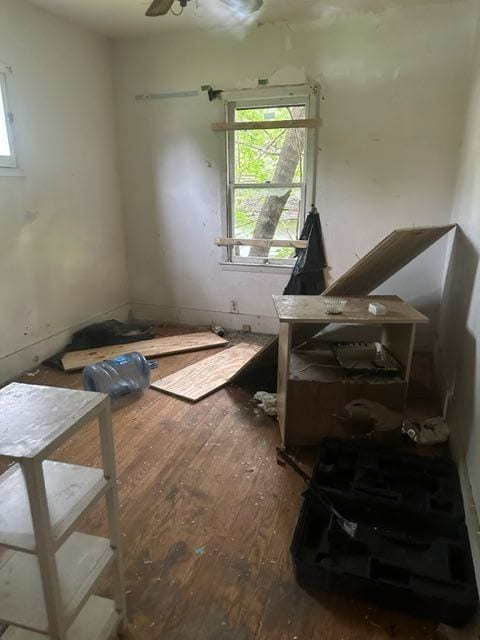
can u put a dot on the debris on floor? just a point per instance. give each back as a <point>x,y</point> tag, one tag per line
<point>267,402</point>
<point>470,631</point>
<point>220,331</point>
<point>378,415</point>
<point>430,431</point>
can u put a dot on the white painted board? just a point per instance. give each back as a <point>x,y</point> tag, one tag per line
<point>96,621</point>
<point>81,561</point>
<point>70,489</point>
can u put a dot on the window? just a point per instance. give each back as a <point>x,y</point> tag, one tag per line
<point>7,151</point>
<point>269,175</point>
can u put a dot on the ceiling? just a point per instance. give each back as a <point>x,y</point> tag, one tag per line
<point>117,18</point>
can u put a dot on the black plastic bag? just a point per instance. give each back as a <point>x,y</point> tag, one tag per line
<point>307,276</point>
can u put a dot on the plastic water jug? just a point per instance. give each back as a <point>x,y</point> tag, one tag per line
<point>119,376</point>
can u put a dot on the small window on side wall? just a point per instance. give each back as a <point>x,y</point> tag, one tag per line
<point>7,150</point>
<point>269,176</point>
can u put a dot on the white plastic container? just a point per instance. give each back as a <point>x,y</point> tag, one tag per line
<point>377,308</point>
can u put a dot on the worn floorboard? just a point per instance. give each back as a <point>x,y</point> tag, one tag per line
<point>207,517</point>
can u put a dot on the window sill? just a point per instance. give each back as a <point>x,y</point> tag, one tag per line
<point>256,268</point>
<point>11,172</point>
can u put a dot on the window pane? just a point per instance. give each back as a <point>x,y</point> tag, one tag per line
<point>269,155</point>
<point>267,213</point>
<point>4,142</point>
<point>294,112</point>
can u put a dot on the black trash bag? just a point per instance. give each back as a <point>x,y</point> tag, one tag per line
<point>104,334</point>
<point>307,276</point>
<point>110,332</point>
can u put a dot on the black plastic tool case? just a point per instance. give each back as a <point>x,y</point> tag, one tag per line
<point>411,550</point>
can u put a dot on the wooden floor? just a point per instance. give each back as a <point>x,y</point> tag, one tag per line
<point>207,518</point>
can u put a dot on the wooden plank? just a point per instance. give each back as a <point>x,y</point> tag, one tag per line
<point>149,348</point>
<point>260,242</point>
<point>385,259</point>
<point>308,123</point>
<point>312,309</point>
<point>284,347</point>
<point>202,378</point>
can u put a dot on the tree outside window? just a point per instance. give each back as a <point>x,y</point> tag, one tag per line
<point>267,179</point>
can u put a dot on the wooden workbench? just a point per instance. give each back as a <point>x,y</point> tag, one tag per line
<point>311,404</point>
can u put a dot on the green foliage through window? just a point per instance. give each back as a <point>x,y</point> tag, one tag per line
<point>264,157</point>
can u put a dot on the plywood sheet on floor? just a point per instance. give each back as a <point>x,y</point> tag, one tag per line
<point>149,348</point>
<point>202,378</point>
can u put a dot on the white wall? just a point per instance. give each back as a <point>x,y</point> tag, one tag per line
<point>395,87</point>
<point>460,322</point>
<point>62,256</point>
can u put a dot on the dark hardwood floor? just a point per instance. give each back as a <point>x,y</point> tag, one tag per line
<point>207,517</point>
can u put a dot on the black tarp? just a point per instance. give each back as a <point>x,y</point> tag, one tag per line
<point>307,276</point>
<point>104,334</point>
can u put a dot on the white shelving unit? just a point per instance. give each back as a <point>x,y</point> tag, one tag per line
<point>48,571</point>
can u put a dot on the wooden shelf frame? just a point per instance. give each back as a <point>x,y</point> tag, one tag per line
<point>398,328</point>
<point>71,490</point>
<point>53,569</point>
<point>21,582</point>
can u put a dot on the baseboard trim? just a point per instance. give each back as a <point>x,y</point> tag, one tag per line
<point>203,317</point>
<point>27,358</point>
<point>471,512</point>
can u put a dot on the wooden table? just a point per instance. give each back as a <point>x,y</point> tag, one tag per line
<point>307,403</point>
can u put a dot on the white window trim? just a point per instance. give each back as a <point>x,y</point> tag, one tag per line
<point>303,94</point>
<point>7,162</point>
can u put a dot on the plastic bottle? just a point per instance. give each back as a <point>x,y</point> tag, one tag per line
<point>119,376</point>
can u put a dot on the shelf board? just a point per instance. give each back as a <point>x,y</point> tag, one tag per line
<point>312,310</point>
<point>80,561</point>
<point>96,621</point>
<point>70,490</point>
<point>35,419</point>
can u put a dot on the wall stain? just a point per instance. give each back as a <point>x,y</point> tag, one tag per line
<point>30,216</point>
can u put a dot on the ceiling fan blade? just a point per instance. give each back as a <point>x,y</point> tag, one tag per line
<point>159,8</point>
<point>244,6</point>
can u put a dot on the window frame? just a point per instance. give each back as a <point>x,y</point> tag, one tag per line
<point>268,97</point>
<point>10,161</point>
